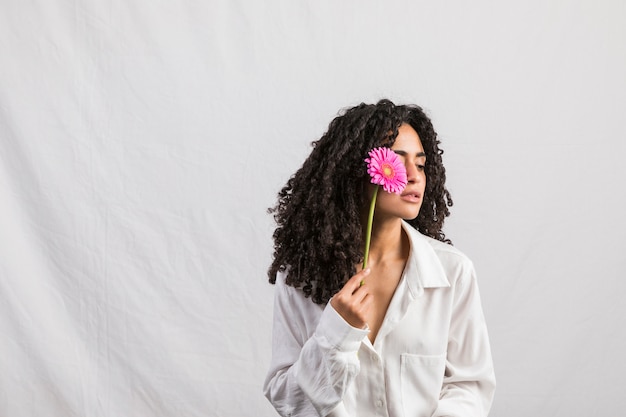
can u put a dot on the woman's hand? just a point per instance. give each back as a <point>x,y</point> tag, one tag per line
<point>353,301</point>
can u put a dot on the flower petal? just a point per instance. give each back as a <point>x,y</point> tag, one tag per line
<point>386,169</point>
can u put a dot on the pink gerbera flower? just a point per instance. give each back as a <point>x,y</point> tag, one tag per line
<point>386,169</point>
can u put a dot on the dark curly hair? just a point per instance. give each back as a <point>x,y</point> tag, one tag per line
<point>319,235</point>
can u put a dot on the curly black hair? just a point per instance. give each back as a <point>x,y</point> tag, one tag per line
<point>319,235</point>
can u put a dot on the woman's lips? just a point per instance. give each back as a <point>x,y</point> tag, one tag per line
<point>411,196</point>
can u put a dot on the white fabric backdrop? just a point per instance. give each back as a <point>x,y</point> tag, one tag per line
<point>142,141</point>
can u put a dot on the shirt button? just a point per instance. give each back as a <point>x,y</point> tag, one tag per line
<point>379,403</point>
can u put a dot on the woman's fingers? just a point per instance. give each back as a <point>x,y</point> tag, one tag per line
<point>357,280</point>
<point>353,300</point>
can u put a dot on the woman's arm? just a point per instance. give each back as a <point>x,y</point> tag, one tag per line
<point>309,374</point>
<point>469,381</point>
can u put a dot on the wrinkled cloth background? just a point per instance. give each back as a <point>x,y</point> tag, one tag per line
<point>141,143</point>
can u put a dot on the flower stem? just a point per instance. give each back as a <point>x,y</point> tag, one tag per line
<point>368,234</point>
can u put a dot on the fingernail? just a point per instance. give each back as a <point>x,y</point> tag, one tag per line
<point>367,271</point>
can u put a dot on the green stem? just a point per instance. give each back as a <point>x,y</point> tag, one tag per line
<point>368,235</point>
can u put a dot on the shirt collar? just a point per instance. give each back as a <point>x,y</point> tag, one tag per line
<point>423,268</point>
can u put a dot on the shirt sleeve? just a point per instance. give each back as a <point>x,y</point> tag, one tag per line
<point>469,381</point>
<point>309,374</point>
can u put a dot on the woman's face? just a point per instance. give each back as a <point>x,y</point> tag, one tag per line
<point>411,152</point>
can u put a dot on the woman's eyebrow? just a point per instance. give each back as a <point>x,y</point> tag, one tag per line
<point>404,153</point>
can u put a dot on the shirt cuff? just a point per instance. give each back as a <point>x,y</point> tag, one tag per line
<point>338,332</point>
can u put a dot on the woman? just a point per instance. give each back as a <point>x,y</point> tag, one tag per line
<point>406,335</point>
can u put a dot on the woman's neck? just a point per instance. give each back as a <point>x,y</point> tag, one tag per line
<point>389,242</point>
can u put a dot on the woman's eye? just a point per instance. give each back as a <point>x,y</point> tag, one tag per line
<point>420,167</point>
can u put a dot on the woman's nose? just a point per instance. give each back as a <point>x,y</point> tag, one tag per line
<point>411,173</point>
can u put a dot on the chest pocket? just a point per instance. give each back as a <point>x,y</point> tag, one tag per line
<point>421,377</point>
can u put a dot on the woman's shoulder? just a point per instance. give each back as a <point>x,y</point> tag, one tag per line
<point>290,292</point>
<point>446,249</point>
<point>449,256</point>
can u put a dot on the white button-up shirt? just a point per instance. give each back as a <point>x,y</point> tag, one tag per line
<point>431,357</point>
